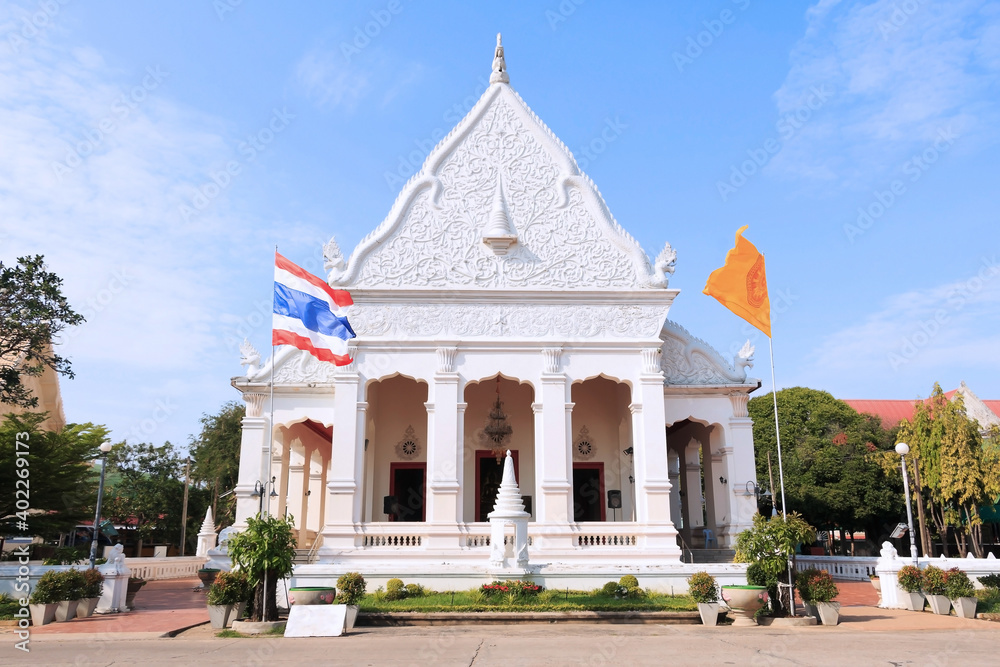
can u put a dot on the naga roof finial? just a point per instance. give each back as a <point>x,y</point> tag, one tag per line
<point>499,74</point>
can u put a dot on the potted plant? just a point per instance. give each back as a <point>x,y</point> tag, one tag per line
<point>207,576</point>
<point>264,550</point>
<point>352,591</point>
<point>818,587</point>
<point>44,599</point>
<point>94,583</point>
<point>71,589</point>
<point>961,593</point>
<point>934,588</point>
<point>911,581</point>
<point>703,589</point>
<point>768,546</point>
<point>802,580</point>
<point>227,596</point>
<point>134,584</point>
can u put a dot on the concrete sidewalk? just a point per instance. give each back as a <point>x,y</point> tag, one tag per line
<point>162,608</point>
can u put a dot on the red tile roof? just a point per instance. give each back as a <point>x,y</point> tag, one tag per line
<point>893,411</point>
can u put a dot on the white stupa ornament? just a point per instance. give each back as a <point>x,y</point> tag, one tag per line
<point>208,525</point>
<point>499,74</point>
<point>509,504</point>
<point>499,234</point>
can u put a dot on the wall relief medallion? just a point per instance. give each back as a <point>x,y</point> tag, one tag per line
<point>408,448</point>
<point>584,448</point>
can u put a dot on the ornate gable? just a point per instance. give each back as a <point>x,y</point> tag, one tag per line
<point>500,203</point>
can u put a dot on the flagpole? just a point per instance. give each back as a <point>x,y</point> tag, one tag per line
<point>270,382</point>
<point>781,471</point>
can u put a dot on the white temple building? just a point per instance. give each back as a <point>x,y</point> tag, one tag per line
<point>501,273</point>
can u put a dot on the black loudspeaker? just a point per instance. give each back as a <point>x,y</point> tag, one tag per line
<point>527,503</point>
<point>389,505</point>
<point>615,499</point>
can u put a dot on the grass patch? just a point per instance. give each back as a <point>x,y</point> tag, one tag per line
<point>228,634</point>
<point>989,601</point>
<point>232,634</point>
<point>550,600</point>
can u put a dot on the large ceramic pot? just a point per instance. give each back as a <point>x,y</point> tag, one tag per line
<point>744,601</point>
<point>965,607</point>
<point>303,595</point>
<point>85,607</point>
<point>65,610</point>
<point>42,614</point>
<point>940,604</point>
<point>207,576</point>
<point>829,612</point>
<point>709,612</point>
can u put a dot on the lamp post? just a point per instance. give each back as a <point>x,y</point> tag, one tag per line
<point>105,448</point>
<point>765,495</point>
<point>258,492</point>
<point>903,449</point>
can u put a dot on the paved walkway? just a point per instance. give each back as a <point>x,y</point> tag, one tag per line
<point>161,608</point>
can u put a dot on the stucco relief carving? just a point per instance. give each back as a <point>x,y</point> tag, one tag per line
<point>689,360</point>
<point>303,368</point>
<point>383,320</point>
<point>433,238</point>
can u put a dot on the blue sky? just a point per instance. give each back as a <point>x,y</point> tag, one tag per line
<point>857,139</point>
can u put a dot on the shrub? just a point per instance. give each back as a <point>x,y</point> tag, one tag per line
<point>991,581</point>
<point>395,590</point>
<point>47,590</point>
<point>229,588</point>
<point>958,585</point>
<point>702,587</point>
<point>934,581</point>
<point>8,607</point>
<point>351,587</point>
<point>610,589</point>
<point>518,588</point>
<point>66,556</point>
<point>94,583</point>
<point>758,576</point>
<point>911,578</point>
<point>73,585</point>
<point>816,585</point>
<point>629,581</point>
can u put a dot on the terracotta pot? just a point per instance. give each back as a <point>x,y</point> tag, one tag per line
<point>744,601</point>
<point>709,612</point>
<point>312,595</point>
<point>207,576</point>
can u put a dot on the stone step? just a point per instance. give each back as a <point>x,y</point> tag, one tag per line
<point>712,555</point>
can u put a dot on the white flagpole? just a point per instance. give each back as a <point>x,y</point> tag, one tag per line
<point>270,382</point>
<point>781,471</point>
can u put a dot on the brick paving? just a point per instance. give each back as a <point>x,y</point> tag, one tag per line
<point>161,607</point>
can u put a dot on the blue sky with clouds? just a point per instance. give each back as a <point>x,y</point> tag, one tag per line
<point>156,153</point>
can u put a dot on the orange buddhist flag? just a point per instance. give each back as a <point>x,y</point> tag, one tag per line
<point>741,284</point>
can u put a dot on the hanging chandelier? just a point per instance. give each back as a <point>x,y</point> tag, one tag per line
<point>497,429</point>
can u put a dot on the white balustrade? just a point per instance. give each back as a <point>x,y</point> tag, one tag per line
<point>851,568</point>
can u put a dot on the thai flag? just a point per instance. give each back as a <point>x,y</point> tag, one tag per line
<point>309,314</point>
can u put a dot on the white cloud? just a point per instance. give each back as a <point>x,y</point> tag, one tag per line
<point>330,80</point>
<point>922,333</point>
<point>900,72</point>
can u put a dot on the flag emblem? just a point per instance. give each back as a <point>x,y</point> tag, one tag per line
<point>309,314</point>
<point>757,284</point>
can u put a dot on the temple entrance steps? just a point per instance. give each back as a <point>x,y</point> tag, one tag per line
<point>711,555</point>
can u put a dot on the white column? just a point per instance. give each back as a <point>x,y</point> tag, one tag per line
<point>553,456</point>
<point>254,446</point>
<point>443,452</point>
<point>460,472</point>
<point>315,495</point>
<point>343,504</point>
<point>282,482</point>
<point>651,476</point>
<point>742,467</point>
<point>674,472</point>
<point>303,519</point>
<point>694,517</point>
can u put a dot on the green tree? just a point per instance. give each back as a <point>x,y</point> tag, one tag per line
<point>769,546</point>
<point>145,486</point>
<point>958,470</point>
<point>831,459</point>
<point>32,313</point>
<point>61,480</point>
<point>264,551</point>
<point>216,454</point>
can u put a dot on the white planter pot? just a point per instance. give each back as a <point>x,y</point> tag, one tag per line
<point>85,607</point>
<point>914,601</point>
<point>219,615</point>
<point>829,612</point>
<point>940,604</point>
<point>811,609</point>
<point>65,611</point>
<point>352,616</point>
<point>709,612</point>
<point>42,614</point>
<point>965,607</point>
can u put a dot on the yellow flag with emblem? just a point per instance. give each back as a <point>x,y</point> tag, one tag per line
<point>741,284</point>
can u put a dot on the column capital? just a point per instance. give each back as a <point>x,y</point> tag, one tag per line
<point>739,401</point>
<point>635,408</point>
<point>536,408</point>
<point>461,406</point>
<point>446,359</point>
<point>651,362</point>
<point>569,407</point>
<point>362,406</point>
<point>429,406</point>
<point>255,403</point>
<point>552,357</point>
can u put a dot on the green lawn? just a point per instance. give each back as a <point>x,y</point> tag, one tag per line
<point>466,601</point>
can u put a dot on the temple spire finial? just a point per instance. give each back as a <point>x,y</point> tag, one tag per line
<point>499,74</point>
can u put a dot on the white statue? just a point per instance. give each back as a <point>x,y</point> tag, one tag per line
<point>888,551</point>
<point>665,263</point>
<point>744,358</point>
<point>249,357</point>
<point>499,74</point>
<point>333,258</point>
<point>117,559</point>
